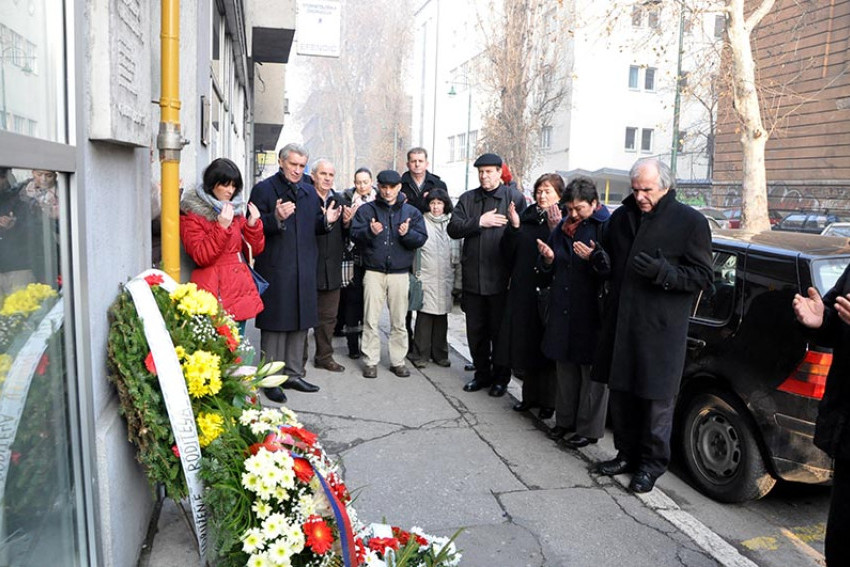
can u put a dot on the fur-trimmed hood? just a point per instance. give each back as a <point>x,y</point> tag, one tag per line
<point>192,202</point>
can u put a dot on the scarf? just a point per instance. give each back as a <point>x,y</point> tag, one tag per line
<point>357,199</point>
<point>209,199</point>
<point>570,226</point>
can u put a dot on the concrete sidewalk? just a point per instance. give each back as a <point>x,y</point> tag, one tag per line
<point>419,451</point>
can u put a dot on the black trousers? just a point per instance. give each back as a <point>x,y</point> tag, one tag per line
<point>328,302</point>
<point>837,545</point>
<point>430,338</point>
<point>483,318</point>
<point>642,430</point>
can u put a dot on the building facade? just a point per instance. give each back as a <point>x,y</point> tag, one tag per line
<point>621,68</point>
<point>78,193</point>
<point>801,58</point>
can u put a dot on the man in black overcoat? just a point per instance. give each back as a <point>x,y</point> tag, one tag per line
<point>480,217</point>
<point>660,252</point>
<point>292,216</point>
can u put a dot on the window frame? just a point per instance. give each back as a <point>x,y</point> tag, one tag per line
<point>643,132</point>
<point>634,72</point>
<point>633,130</point>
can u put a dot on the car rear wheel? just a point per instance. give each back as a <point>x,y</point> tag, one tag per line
<point>720,449</point>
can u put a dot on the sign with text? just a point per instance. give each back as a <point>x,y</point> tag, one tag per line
<point>318,28</point>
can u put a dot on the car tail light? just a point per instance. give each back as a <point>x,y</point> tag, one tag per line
<point>809,378</point>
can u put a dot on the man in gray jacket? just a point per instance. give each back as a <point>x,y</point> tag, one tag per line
<point>479,218</point>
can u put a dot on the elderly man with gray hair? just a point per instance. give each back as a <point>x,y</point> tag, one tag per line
<point>292,216</point>
<point>660,252</point>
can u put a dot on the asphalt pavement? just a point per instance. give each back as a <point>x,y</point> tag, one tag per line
<point>419,451</point>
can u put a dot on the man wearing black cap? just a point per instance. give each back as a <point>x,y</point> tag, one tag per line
<point>479,218</point>
<point>387,231</point>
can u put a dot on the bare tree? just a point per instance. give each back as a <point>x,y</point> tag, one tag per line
<point>357,113</point>
<point>521,70</point>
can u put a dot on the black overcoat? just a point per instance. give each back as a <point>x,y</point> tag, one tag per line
<point>572,329</point>
<point>522,328</point>
<point>484,270</point>
<point>644,338</point>
<point>289,261</point>
<point>331,246</point>
<point>832,428</point>
<point>415,196</point>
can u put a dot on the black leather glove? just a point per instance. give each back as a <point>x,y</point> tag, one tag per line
<point>649,266</point>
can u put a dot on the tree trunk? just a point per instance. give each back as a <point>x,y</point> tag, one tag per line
<point>754,213</point>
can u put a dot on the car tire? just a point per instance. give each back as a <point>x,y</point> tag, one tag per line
<point>720,449</point>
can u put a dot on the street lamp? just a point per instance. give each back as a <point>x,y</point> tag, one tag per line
<point>677,100</point>
<point>453,92</point>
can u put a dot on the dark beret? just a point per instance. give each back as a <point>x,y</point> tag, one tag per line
<point>488,159</point>
<point>389,177</point>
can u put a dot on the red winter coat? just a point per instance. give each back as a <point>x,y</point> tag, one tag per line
<point>218,252</point>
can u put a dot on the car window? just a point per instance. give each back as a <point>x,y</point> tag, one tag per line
<point>793,222</point>
<point>827,271</point>
<point>717,304</point>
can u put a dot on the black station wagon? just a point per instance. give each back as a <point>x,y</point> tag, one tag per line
<point>752,380</point>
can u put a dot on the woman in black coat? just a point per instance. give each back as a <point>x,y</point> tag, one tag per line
<point>831,316</point>
<point>576,270</point>
<point>522,327</point>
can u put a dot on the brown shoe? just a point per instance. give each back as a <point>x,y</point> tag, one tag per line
<point>401,371</point>
<point>330,365</point>
<point>370,372</point>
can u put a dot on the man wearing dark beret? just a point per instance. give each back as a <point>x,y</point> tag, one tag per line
<point>479,218</point>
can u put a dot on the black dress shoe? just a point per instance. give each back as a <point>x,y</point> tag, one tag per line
<point>617,465</point>
<point>557,432</point>
<point>354,355</point>
<point>642,482</point>
<point>546,413</point>
<point>299,384</point>
<point>445,363</point>
<point>522,406</point>
<point>498,390</point>
<point>275,394</point>
<point>474,385</point>
<point>578,441</point>
<point>469,367</point>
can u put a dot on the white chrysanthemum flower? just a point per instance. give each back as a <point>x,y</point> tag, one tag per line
<point>287,479</point>
<point>253,465</point>
<point>248,416</point>
<point>252,540</point>
<point>274,526</point>
<point>260,428</point>
<point>306,505</point>
<point>251,481</point>
<point>258,560</point>
<point>372,559</point>
<point>281,494</point>
<point>280,553</point>
<point>261,508</point>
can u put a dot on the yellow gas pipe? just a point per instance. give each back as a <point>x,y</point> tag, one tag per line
<point>169,141</point>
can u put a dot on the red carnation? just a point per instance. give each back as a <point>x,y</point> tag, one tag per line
<point>360,550</point>
<point>149,363</point>
<point>224,331</point>
<point>303,469</point>
<point>42,365</point>
<point>379,544</point>
<point>154,279</point>
<point>16,457</point>
<point>238,360</point>
<point>405,536</point>
<point>319,535</point>
<point>338,488</point>
<point>307,437</point>
<point>176,451</point>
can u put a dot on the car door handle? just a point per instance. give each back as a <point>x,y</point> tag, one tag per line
<point>695,343</point>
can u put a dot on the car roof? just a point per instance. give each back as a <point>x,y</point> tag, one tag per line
<point>778,241</point>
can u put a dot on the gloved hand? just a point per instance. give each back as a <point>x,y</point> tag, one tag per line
<point>649,266</point>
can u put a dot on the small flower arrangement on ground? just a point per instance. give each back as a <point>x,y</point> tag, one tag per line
<point>17,309</point>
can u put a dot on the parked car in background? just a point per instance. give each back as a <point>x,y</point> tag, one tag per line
<point>752,379</point>
<point>734,217</point>
<point>841,229</point>
<point>716,217</point>
<point>813,223</point>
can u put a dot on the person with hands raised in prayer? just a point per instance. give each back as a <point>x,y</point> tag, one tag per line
<point>480,218</point>
<point>830,318</point>
<point>574,268</point>
<point>212,228</point>
<point>292,215</point>
<point>387,232</point>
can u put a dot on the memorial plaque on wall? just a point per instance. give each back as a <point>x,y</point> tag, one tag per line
<point>119,59</point>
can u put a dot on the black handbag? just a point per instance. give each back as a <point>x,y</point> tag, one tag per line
<point>259,281</point>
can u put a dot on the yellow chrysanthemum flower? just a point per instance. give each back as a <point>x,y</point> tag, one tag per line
<point>203,373</point>
<point>193,301</point>
<point>210,426</point>
<point>180,351</point>
<point>27,300</point>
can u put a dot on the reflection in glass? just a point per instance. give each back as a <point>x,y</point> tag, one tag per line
<point>37,517</point>
<point>32,69</point>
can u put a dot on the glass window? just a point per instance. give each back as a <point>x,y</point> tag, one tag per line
<point>719,26</point>
<point>473,142</point>
<point>826,272</point>
<point>461,146</point>
<point>39,511</point>
<point>646,140</point>
<point>451,148</point>
<point>32,69</point>
<point>652,17</point>
<point>633,76</point>
<point>717,304</point>
<point>546,137</point>
<point>649,79</point>
<point>637,16</point>
<point>631,134</point>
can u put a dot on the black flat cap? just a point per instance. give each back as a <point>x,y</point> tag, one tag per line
<point>488,159</point>
<point>389,177</point>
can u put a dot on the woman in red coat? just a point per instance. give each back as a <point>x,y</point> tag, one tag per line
<point>214,231</point>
